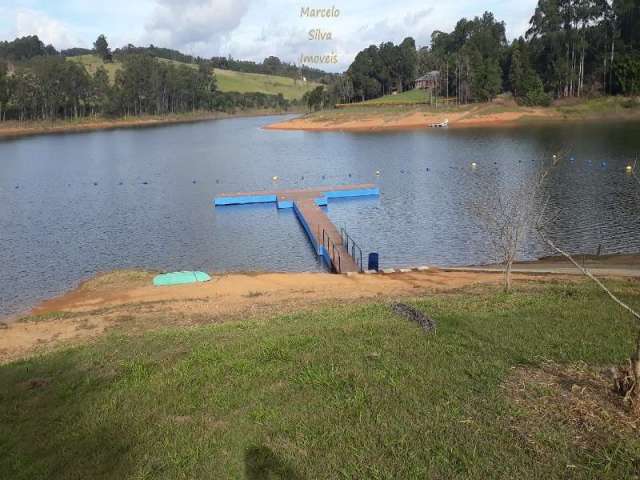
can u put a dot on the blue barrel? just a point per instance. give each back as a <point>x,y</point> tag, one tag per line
<point>373,262</point>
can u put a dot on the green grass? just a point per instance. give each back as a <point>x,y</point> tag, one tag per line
<point>93,62</point>
<point>228,80</point>
<point>599,106</point>
<point>408,97</point>
<point>344,392</point>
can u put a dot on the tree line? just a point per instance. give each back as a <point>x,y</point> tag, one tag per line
<point>572,48</point>
<point>30,46</point>
<point>40,85</point>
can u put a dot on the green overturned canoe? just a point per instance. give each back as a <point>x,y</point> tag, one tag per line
<point>180,278</point>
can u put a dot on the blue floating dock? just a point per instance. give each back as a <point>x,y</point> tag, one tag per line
<point>306,203</point>
<point>285,198</point>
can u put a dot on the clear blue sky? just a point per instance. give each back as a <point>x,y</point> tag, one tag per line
<point>247,29</point>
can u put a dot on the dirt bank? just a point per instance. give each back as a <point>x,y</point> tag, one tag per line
<point>25,129</point>
<point>499,113</point>
<point>129,301</point>
<point>373,121</point>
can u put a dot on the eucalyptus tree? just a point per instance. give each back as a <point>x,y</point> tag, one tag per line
<point>525,84</point>
<point>4,89</point>
<point>101,47</point>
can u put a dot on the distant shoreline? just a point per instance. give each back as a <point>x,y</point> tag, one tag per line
<point>368,118</point>
<point>9,130</point>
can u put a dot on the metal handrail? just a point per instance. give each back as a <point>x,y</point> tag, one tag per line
<point>351,246</point>
<point>330,245</point>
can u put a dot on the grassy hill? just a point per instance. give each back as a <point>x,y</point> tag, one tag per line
<point>228,80</point>
<point>93,62</point>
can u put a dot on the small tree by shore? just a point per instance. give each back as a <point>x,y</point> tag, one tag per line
<point>507,215</point>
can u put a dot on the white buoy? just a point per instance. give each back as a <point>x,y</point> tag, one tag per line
<point>275,178</point>
<point>629,168</point>
<point>377,173</point>
<point>474,164</point>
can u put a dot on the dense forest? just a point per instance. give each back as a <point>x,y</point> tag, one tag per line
<point>572,48</point>
<point>38,83</point>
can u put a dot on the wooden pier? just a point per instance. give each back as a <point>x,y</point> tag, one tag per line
<point>339,251</point>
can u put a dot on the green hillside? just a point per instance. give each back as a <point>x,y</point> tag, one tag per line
<point>228,80</point>
<point>93,62</point>
<point>410,96</point>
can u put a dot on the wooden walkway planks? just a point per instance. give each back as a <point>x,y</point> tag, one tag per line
<point>326,236</point>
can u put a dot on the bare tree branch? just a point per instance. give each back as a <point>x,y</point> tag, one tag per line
<point>588,273</point>
<point>625,382</point>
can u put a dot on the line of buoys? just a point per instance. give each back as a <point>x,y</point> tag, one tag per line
<point>604,164</point>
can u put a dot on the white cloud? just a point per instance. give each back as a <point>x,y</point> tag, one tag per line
<point>49,30</point>
<point>246,29</point>
<point>196,25</point>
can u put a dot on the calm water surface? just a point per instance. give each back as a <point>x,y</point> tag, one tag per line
<point>73,205</point>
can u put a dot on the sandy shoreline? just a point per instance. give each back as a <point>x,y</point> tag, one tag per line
<point>400,120</point>
<point>485,115</point>
<point>10,130</point>
<point>127,300</point>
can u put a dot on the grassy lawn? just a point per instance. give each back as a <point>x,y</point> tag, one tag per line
<point>344,392</point>
<point>410,96</point>
<point>228,80</point>
<point>388,111</point>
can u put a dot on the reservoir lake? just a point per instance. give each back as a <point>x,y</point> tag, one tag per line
<point>74,205</point>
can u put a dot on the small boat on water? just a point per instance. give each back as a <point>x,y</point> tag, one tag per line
<point>440,125</point>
